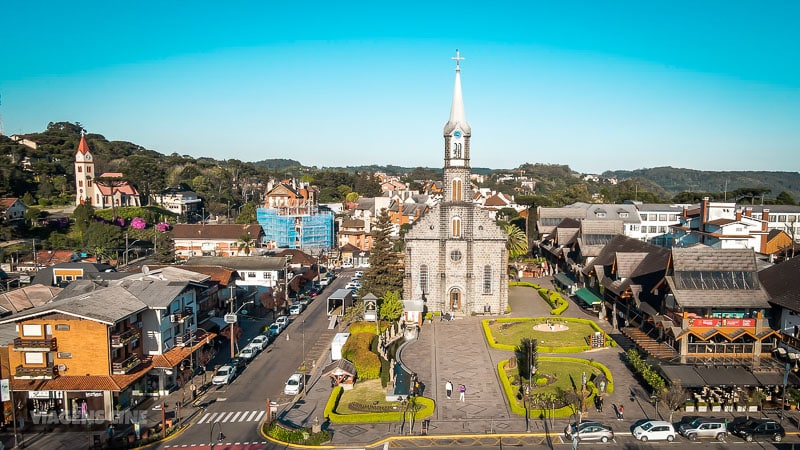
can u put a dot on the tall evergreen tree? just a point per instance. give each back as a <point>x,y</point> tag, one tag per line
<point>384,274</point>
<point>165,251</point>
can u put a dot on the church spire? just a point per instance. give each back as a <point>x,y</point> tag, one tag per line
<point>457,117</point>
<point>83,147</point>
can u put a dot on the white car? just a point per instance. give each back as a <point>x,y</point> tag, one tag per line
<point>654,430</point>
<point>283,321</point>
<point>224,375</point>
<point>347,265</point>
<point>294,384</point>
<point>248,353</point>
<point>358,274</point>
<point>295,309</point>
<point>260,342</point>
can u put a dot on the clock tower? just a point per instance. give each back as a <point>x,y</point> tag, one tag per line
<point>84,173</point>
<point>457,133</point>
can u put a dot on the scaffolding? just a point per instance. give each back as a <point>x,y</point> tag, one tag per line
<point>301,228</point>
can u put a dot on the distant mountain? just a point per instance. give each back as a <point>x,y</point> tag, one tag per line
<point>675,180</point>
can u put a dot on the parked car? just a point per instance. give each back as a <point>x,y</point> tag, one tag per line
<point>759,429</point>
<point>283,321</point>
<point>224,375</point>
<point>324,281</point>
<point>274,330</point>
<point>347,265</point>
<point>358,274</point>
<point>248,353</point>
<point>313,292</point>
<point>296,309</point>
<point>261,342</point>
<point>704,427</point>
<point>654,430</point>
<point>589,431</point>
<point>239,364</point>
<point>294,384</point>
<point>304,300</point>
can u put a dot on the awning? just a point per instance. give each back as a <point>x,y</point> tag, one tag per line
<point>564,279</point>
<point>588,297</point>
<point>685,374</point>
<point>727,376</point>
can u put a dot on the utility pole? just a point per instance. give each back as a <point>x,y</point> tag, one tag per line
<point>233,325</point>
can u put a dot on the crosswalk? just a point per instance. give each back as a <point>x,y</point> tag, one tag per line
<point>231,416</point>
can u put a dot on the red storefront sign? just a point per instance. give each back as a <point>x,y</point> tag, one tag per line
<point>739,323</point>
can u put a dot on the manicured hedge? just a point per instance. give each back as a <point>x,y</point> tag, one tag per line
<point>565,411</point>
<point>558,303</point>
<point>355,342</point>
<point>427,407</point>
<point>368,327</point>
<point>357,350</point>
<point>543,349</point>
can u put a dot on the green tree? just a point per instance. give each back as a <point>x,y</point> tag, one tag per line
<point>165,248</point>
<point>83,216</point>
<point>527,353</point>
<point>785,198</point>
<point>103,239</point>
<point>245,244</point>
<point>384,274</point>
<point>517,242</point>
<point>391,307</point>
<point>247,215</point>
<point>147,173</point>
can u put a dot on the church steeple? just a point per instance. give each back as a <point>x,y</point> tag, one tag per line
<point>457,117</point>
<point>457,133</point>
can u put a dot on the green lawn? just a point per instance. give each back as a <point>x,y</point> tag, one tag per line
<point>365,392</point>
<point>567,375</point>
<point>511,333</point>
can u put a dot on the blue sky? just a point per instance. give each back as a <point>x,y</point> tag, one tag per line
<point>710,85</point>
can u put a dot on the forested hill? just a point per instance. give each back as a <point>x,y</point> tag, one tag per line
<point>675,180</point>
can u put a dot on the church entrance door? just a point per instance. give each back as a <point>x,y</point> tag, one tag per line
<point>455,300</point>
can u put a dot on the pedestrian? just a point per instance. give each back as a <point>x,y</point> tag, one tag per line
<point>461,391</point>
<point>193,388</point>
<point>601,404</point>
<point>621,412</point>
<point>448,389</point>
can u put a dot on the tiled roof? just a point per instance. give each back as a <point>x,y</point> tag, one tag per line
<point>83,147</point>
<point>703,258</point>
<point>27,297</point>
<point>7,202</point>
<point>217,274</point>
<point>175,355</point>
<point>83,382</point>
<point>231,232</point>
<point>627,262</point>
<point>239,262</point>
<point>298,257</point>
<point>780,282</point>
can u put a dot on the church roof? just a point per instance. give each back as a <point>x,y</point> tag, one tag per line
<point>83,147</point>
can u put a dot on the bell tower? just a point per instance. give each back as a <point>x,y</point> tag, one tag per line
<point>84,173</point>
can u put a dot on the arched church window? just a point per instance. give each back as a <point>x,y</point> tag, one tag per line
<point>456,225</point>
<point>457,192</point>
<point>423,278</point>
<point>80,183</point>
<point>487,279</point>
<point>80,169</point>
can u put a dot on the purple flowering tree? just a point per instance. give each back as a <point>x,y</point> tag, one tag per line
<point>138,223</point>
<point>162,227</point>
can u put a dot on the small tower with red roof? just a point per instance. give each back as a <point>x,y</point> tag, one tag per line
<point>84,173</point>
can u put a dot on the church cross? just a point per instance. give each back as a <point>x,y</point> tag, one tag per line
<point>458,58</point>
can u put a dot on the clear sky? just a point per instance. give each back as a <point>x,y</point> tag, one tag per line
<point>597,85</point>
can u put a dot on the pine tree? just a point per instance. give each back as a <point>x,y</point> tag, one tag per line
<point>384,274</point>
<point>165,253</point>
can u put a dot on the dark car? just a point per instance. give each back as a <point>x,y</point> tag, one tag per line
<point>759,429</point>
<point>239,363</point>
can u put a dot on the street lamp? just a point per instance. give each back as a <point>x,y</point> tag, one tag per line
<point>231,319</point>
<point>220,438</point>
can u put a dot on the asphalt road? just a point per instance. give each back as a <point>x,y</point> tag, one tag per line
<point>237,409</point>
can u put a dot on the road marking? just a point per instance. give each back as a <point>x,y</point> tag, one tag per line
<point>226,417</point>
<point>260,414</point>
<point>232,416</point>
<point>235,416</point>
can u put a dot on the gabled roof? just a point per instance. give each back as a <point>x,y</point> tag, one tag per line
<point>339,367</point>
<point>709,277</point>
<point>230,232</point>
<point>298,256</point>
<point>349,248</point>
<point>83,147</point>
<point>8,202</point>
<point>107,305</point>
<point>780,282</point>
<point>217,274</point>
<point>627,262</point>
<point>45,275</point>
<point>239,262</point>
<point>26,298</point>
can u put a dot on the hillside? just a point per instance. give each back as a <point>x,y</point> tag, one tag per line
<point>675,180</point>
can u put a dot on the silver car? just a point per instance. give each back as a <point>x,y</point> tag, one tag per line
<point>589,431</point>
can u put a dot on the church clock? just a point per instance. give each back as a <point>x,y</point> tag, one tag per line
<point>457,145</point>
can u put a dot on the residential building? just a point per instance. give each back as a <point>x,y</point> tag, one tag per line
<point>216,240</point>
<point>182,202</point>
<point>12,209</point>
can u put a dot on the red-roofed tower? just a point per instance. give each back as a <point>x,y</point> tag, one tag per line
<point>84,172</point>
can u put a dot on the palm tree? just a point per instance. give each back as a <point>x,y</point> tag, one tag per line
<point>517,243</point>
<point>245,244</point>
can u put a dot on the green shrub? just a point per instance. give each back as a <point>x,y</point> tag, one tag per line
<point>296,436</point>
<point>425,408</point>
<point>333,402</point>
<point>356,341</point>
<point>367,364</point>
<point>363,327</point>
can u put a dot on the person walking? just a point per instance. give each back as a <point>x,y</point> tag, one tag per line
<point>448,389</point>
<point>193,388</point>
<point>461,391</point>
<point>621,410</point>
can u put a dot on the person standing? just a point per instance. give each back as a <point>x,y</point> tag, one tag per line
<point>448,389</point>
<point>461,391</point>
<point>193,388</point>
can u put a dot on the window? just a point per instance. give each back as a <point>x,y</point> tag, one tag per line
<point>623,215</point>
<point>88,183</point>
<point>487,279</point>
<point>457,194</point>
<point>62,327</point>
<point>455,255</point>
<point>31,330</point>
<point>662,217</point>
<point>64,355</point>
<point>251,274</point>
<point>600,214</point>
<point>34,358</point>
<point>662,229</point>
<point>267,275</point>
<point>80,183</point>
<point>782,218</point>
<point>423,278</point>
<point>456,227</point>
<point>80,169</point>
<point>88,169</point>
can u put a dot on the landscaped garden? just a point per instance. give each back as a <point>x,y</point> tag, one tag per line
<point>553,335</point>
<point>366,402</point>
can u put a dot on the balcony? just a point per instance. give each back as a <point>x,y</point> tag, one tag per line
<point>186,338</point>
<point>123,338</point>
<point>123,367</point>
<point>30,373</point>
<point>35,345</point>
<point>180,316</point>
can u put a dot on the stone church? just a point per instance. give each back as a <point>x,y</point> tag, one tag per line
<point>455,256</point>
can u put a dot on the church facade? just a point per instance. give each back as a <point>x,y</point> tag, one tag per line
<point>100,196</point>
<point>455,256</point>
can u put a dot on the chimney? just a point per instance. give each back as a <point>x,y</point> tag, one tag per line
<point>748,211</point>
<point>703,218</point>
<point>765,214</point>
